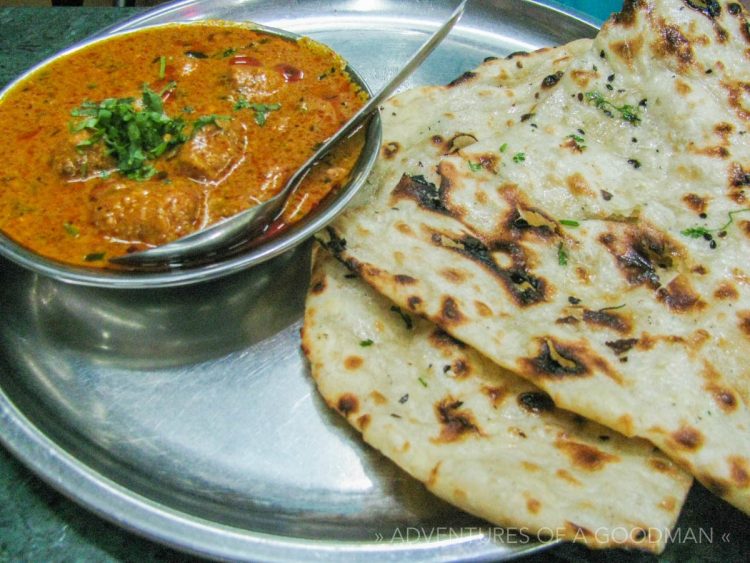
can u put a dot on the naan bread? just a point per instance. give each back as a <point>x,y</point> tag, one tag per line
<point>478,436</point>
<point>595,238</point>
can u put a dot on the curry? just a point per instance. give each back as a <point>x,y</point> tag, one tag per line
<point>143,138</point>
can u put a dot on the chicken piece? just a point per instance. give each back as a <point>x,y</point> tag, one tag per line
<point>255,83</point>
<point>74,163</point>
<point>211,153</point>
<point>149,212</point>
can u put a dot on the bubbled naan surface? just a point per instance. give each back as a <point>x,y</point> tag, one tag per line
<point>623,319</point>
<point>478,436</point>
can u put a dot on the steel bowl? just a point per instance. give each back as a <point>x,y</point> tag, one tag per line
<point>218,266</point>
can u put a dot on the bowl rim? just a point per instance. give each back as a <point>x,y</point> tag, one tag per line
<point>299,232</point>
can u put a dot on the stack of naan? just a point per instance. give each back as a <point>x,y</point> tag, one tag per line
<point>540,304</point>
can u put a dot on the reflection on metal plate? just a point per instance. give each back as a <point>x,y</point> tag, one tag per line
<point>187,414</point>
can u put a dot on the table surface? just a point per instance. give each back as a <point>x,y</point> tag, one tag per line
<point>39,524</point>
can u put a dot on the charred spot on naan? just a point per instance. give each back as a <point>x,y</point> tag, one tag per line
<point>403,279</point>
<point>687,438</point>
<point>695,202</point>
<point>444,341</point>
<point>363,422</point>
<point>558,360</point>
<point>489,161</point>
<point>454,275</point>
<point>390,150</point>
<point>576,182</point>
<point>744,322</point>
<point>724,130</point>
<point>414,302</point>
<point>523,287</point>
<point>352,363</point>
<point>533,505</point>
<point>378,398</point>
<point>555,360</point>
<point>536,402</point>
<point>725,398</point>
<point>456,423</point>
<point>641,251</point>
<point>672,43</point>
<point>347,404</point>
<point>467,76</point>
<point>583,78</point>
<point>709,8</point>
<point>567,476</point>
<point>710,151</point>
<point>460,368</point>
<point>495,394</point>
<point>318,286</point>
<point>626,17</point>
<point>450,313</point>
<point>584,456</point>
<point>577,531</point>
<point>621,346</point>
<point>739,180</point>
<point>424,193</point>
<point>551,80</point>
<point>680,297</point>
<point>737,93</point>
<point>613,320</point>
<point>662,465</point>
<point>627,49</point>
<point>739,471</point>
<point>668,504</point>
<point>726,291</point>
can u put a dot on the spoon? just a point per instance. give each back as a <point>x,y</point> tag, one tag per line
<point>251,221</point>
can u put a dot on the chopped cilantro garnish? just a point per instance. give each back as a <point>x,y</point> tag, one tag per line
<point>704,232</point>
<point>503,147</point>
<point>133,136</point>
<point>627,112</point>
<point>366,343</point>
<point>475,166</point>
<point>241,103</point>
<point>695,232</point>
<point>562,255</point>
<point>578,140</point>
<point>212,119</point>
<point>162,66</point>
<point>71,229</point>
<point>519,157</point>
<point>422,381</point>
<point>569,223</point>
<point>94,257</point>
<point>261,110</point>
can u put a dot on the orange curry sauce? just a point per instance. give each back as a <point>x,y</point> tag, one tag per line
<point>266,103</point>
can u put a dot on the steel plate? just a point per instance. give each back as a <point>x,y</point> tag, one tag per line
<point>187,414</point>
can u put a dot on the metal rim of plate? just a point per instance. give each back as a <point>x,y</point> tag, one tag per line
<point>23,431</point>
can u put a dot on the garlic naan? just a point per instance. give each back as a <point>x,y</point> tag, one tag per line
<point>595,237</point>
<point>478,436</point>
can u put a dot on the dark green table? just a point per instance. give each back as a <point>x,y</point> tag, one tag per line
<point>39,524</point>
